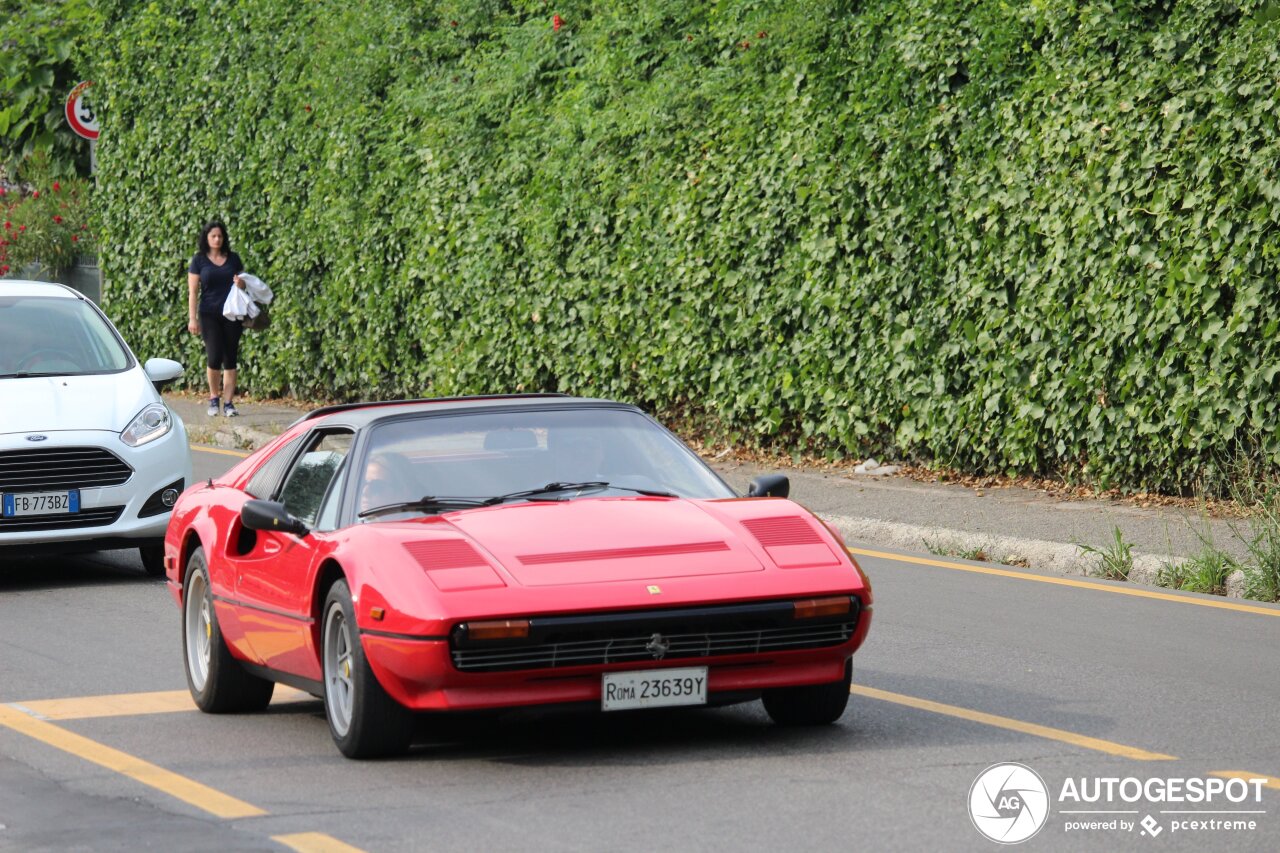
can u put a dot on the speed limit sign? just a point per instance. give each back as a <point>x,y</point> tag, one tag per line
<point>80,114</point>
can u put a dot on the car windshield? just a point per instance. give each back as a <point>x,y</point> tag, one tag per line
<point>488,455</point>
<point>55,336</point>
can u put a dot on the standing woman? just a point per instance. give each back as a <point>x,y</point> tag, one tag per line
<point>213,271</point>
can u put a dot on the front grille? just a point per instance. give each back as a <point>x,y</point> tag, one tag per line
<point>96,517</point>
<point>633,637</point>
<point>59,468</point>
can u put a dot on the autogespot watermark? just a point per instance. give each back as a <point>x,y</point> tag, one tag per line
<point>1010,803</point>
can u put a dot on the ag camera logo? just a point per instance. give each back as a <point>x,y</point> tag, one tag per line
<point>1008,803</point>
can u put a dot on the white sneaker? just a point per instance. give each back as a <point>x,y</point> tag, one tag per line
<point>229,409</point>
<point>213,407</point>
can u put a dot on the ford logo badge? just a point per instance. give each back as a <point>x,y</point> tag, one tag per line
<point>36,437</point>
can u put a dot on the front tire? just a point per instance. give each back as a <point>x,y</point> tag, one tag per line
<point>218,683</point>
<point>364,720</point>
<point>812,705</point>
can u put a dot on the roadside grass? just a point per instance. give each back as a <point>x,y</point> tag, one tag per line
<point>1115,561</point>
<point>1206,572</point>
<point>1262,538</point>
<point>1210,570</point>
<point>978,554</point>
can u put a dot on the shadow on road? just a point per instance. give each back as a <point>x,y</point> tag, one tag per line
<point>27,574</point>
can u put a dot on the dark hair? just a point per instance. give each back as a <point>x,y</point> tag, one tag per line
<point>203,242</point>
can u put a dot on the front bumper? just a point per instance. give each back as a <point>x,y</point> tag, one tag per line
<point>420,674</point>
<point>111,516</point>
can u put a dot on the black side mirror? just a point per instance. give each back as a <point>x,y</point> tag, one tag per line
<point>270,515</point>
<point>769,486</point>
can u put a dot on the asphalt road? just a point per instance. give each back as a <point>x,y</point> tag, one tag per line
<point>963,669</point>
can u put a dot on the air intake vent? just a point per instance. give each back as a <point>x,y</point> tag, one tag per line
<point>689,634</point>
<point>445,554</point>
<point>96,517</point>
<point>786,530</point>
<point>792,542</point>
<point>453,565</point>
<point>59,468</point>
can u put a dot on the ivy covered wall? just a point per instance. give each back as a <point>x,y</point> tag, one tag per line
<point>1032,237</point>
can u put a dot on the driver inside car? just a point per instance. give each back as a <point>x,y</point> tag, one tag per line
<point>387,481</point>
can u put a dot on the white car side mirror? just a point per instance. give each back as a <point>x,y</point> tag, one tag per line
<point>162,371</point>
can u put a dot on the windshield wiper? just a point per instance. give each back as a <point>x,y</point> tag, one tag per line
<point>29,374</point>
<point>591,485</point>
<point>425,504</point>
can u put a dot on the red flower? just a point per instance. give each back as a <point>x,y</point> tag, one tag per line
<point>761,35</point>
<point>57,219</point>
<point>75,238</point>
<point>7,225</point>
<point>56,186</point>
<point>746,45</point>
<point>3,190</point>
<point>307,107</point>
<point>453,23</point>
<point>4,269</point>
<point>556,23</point>
<point>84,227</point>
<point>35,194</point>
<point>22,228</point>
<point>688,38</point>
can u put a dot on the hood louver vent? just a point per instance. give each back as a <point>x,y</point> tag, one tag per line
<point>445,554</point>
<point>786,530</point>
<point>792,542</point>
<point>453,565</point>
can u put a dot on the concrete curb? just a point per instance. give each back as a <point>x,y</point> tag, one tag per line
<point>232,437</point>
<point>1059,557</point>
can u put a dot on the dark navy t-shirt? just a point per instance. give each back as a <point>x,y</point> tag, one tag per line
<point>215,281</point>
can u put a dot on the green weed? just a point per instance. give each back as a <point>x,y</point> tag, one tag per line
<point>1116,558</point>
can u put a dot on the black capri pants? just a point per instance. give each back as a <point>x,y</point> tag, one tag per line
<point>221,340</point>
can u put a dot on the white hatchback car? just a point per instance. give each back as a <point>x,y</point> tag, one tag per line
<point>90,456</point>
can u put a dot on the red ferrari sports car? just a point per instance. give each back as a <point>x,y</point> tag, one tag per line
<point>490,552</point>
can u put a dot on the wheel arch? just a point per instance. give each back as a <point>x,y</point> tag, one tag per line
<point>190,542</point>
<point>330,572</point>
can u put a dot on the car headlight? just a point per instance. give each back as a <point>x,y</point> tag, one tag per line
<point>149,424</point>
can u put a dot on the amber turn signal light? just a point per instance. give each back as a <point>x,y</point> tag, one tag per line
<point>498,629</point>
<point>811,608</point>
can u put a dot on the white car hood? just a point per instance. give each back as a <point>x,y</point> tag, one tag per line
<point>54,403</point>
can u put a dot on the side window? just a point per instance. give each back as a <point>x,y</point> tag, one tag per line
<point>309,479</point>
<point>263,483</point>
<point>328,518</point>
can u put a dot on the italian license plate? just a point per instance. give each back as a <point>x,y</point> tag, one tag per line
<point>653,688</point>
<point>40,503</point>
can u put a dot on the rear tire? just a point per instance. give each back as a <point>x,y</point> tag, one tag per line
<point>218,683</point>
<point>812,705</point>
<point>364,720</point>
<point>152,560</point>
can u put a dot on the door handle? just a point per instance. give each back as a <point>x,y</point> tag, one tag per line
<point>271,546</point>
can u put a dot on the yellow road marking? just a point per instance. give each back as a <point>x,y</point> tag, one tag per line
<point>189,791</point>
<point>315,842</point>
<point>1119,590</point>
<point>221,450</point>
<point>1109,747</point>
<point>1272,782</point>
<point>131,704</point>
